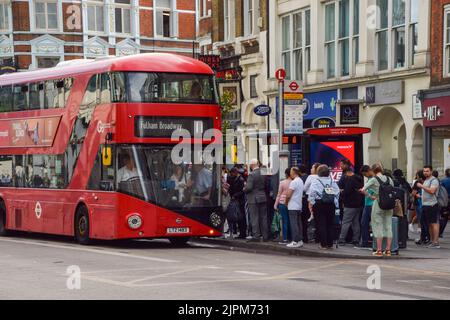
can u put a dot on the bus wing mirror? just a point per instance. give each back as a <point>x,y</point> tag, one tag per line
<point>107,156</point>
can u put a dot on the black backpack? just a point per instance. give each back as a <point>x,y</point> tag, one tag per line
<point>327,197</point>
<point>387,195</point>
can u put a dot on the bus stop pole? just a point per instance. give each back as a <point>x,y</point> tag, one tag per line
<point>282,154</point>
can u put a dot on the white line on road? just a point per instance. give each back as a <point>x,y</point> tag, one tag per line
<point>413,281</point>
<point>98,251</point>
<point>438,287</point>
<point>252,273</point>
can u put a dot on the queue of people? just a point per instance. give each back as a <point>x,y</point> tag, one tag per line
<point>355,210</point>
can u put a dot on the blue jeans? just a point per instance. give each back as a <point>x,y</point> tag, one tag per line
<point>285,221</point>
<point>365,226</point>
<point>424,227</point>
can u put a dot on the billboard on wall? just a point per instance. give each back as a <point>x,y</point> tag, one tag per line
<point>32,132</point>
<point>331,153</point>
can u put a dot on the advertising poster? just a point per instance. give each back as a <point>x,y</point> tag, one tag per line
<point>38,132</point>
<point>331,153</point>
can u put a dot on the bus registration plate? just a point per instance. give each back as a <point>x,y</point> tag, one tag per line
<point>177,230</point>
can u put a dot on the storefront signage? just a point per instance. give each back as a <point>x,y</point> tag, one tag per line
<point>323,123</point>
<point>163,127</point>
<point>212,60</point>
<point>319,105</point>
<point>262,110</point>
<point>350,114</point>
<point>391,92</point>
<point>338,131</point>
<point>432,113</point>
<point>416,108</point>
<point>34,132</point>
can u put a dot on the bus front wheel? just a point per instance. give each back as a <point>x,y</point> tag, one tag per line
<point>179,241</point>
<point>82,226</point>
<point>3,230</point>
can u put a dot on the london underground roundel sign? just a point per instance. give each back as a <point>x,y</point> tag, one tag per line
<point>280,74</point>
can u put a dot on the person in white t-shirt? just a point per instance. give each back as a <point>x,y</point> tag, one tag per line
<point>128,171</point>
<point>294,199</point>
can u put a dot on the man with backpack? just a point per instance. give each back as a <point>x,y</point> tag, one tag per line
<point>430,205</point>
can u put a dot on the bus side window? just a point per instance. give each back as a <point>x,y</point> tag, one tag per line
<point>20,97</point>
<point>6,171</point>
<point>90,95</point>
<point>51,95</point>
<point>105,88</point>
<point>118,87</point>
<point>36,96</point>
<point>6,98</point>
<point>67,88</point>
<point>60,91</point>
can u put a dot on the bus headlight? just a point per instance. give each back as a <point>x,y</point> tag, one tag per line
<point>134,221</point>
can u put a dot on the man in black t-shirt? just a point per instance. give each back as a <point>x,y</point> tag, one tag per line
<point>353,202</point>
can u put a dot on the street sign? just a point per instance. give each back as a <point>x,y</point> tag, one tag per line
<point>293,119</point>
<point>293,90</point>
<point>280,74</point>
<point>262,110</point>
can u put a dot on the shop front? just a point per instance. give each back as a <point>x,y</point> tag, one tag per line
<point>436,106</point>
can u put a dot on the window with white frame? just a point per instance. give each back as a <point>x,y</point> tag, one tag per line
<point>447,42</point>
<point>204,12</point>
<point>4,16</point>
<point>47,62</point>
<point>166,18</point>
<point>251,14</point>
<point>341,38</point>
<point>122,16</point>
<point>296,44</point>
<point>95,16</point>
<point>46,15</point>
<point>226,20</point>
<point>397,33</point>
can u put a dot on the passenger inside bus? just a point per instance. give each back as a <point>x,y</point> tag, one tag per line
<point>202,182</point>
<point>196,91</point>
<point>181,179</point>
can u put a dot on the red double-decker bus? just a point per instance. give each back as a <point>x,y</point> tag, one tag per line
<point>86,150</point>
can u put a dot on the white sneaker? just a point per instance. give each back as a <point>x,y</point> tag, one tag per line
<point>294,244</point>
<point>249,238</point>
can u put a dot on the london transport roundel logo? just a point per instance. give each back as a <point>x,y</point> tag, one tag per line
<point>38,210</point>
<point>294,86</point>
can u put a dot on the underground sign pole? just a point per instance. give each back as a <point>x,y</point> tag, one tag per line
<point>283,155</point>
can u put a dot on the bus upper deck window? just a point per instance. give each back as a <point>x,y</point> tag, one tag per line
<point>6,98</point>
<point>20,97</point>
<point>118,87</point>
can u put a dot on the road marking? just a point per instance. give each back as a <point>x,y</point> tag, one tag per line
<point>252,273</point>
<point>165,275</point>
<point>407,270</point>
<point>90,250</point>
<point>438,287</point>
<point>413,281</point>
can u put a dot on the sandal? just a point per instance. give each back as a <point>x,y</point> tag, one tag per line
<point>388,253</point>
<point>378,253</point>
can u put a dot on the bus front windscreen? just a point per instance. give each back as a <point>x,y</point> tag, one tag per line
<point>150,87</point>
<point>148,173</point>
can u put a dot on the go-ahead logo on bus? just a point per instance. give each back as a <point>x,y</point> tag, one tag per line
<point>38,210</point>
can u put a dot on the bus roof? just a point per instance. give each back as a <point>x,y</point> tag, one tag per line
<point>146,62</point>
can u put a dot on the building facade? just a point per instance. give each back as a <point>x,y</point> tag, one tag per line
<point>41,33</point>
<point>436,100</point>
<point>362,63</point>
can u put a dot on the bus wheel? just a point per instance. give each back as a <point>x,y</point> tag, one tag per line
<point>179,241</point>
<point>82,226</point>
<point>3,230</point>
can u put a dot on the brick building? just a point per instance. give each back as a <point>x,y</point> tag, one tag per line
<point>436,100</point>
<point>41,33</point>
